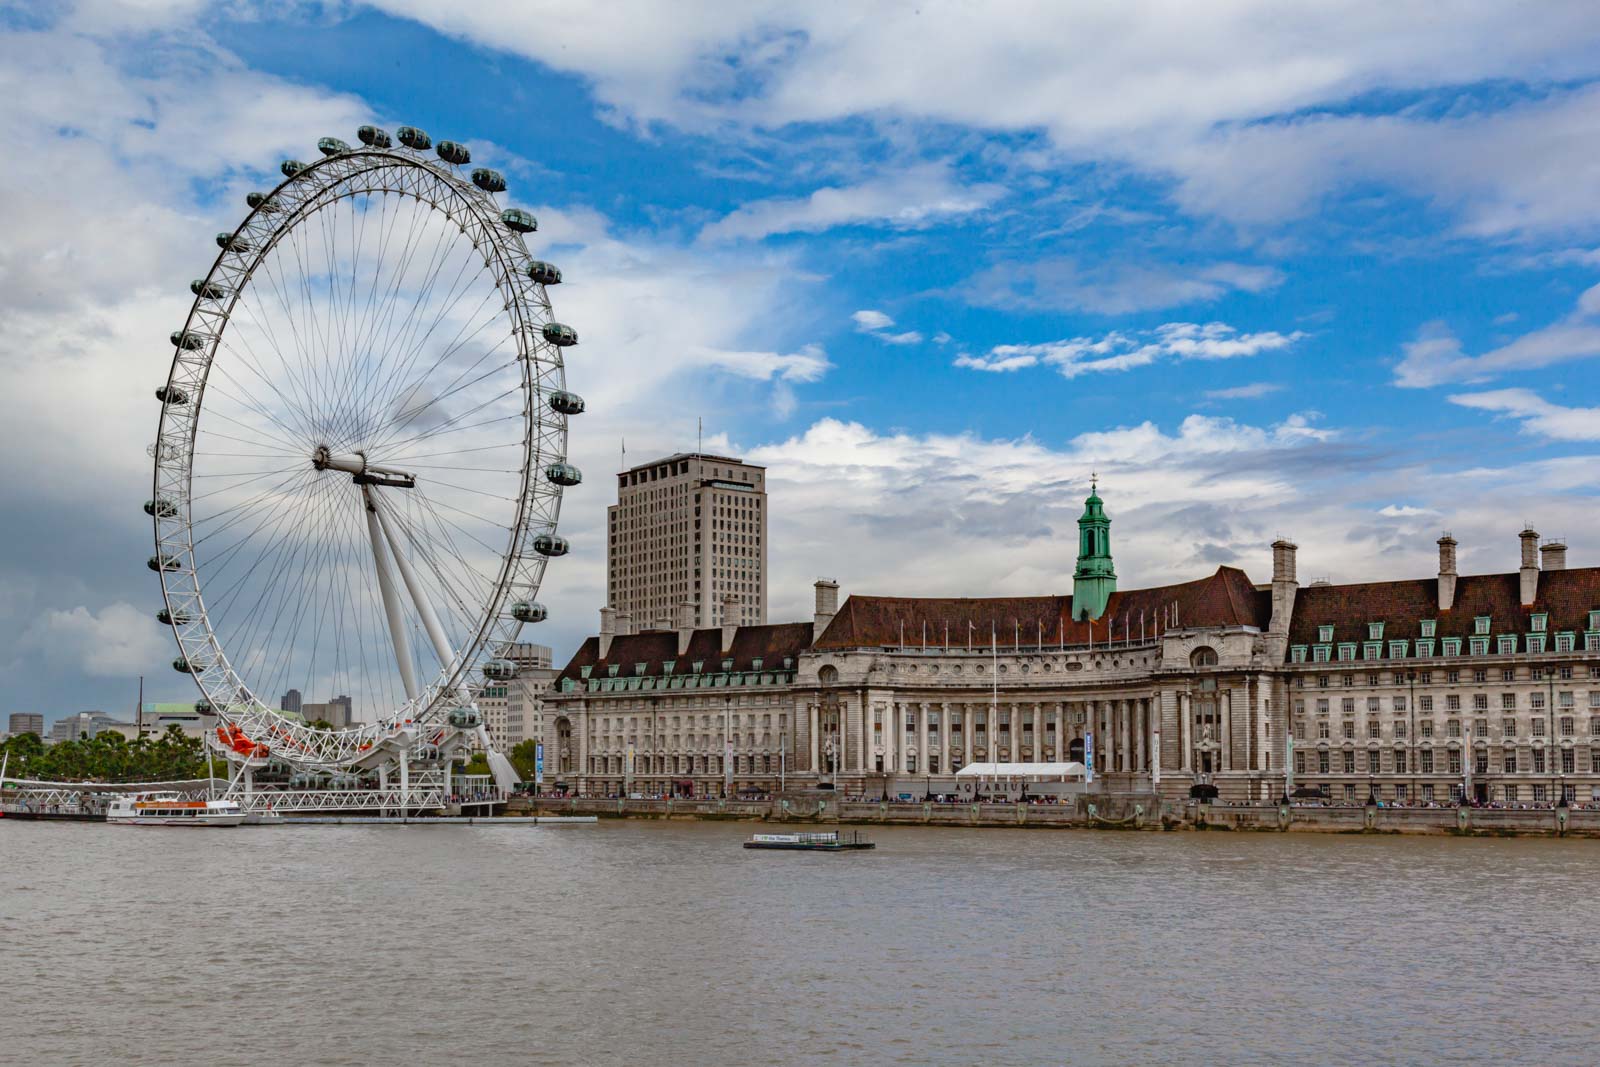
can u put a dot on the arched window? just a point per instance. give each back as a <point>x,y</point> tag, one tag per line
<point>1204,656</point>
<point>828,675</point>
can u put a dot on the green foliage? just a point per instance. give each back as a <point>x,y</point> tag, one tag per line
<point>478,764</point>
<point>107,757</point>
<point>522,758</point>
<point>320,724</point>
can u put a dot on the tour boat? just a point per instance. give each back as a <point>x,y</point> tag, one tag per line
<point>172,809</point>
<point>828,841</point>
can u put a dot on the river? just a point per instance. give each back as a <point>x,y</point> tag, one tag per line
<point>652,943</point>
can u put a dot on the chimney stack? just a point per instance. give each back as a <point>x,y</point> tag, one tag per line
<point>827,606</point>
<point>1284,584</point>
<point>1447,572</point>
<point>1553,554</point>
<point>1529,571</point>
<point>730,619</point>
<point>608,630</point>
<point>685,626</point>
<point>624,624</point>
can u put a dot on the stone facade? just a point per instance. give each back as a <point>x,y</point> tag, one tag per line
<point>1254,690</point>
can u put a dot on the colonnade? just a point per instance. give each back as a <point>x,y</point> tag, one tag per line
<point>926,737</point>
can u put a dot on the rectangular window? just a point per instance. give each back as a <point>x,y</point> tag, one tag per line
<point>1480,646</point>
<point>1480,625</point>
<point>1564,699</point>
<point>1480,701</point>
<point>1511,793</point>
<point>1508,701</point>
<point>1347,705</point>
<point>1567,761</point>
<point>1452,702</point>
<point>1349,731</point>
<point>1536,643</point>
<point>1565,642</point>
<point>1372,650</point>
<point>1324,634</point>
<point>1510,761</point>
<point>1425,761</point>
<point>1424,647</point>
<point>1565,725</point>
<point>1400,728</point>
<point>1427,727</point>
<point>1425,703</point>
<point>1297,654</point>
<point>1349,762</point>
<point>1538,727</point>
<point>1508,727</point>
<point>1506,644</point>
<point>1452,646</point>
<point>1375,631</point>
<point>1319,654</point>
<point>1322,729</point>
<point>1399,703</point>
<point>1322,763</point>
<point>1453,763</point>
<point>1400,766</point>
<point>1322,705</point>
<point>1428,627</point>
<point>1537,622</point>
<point>1372,703</point>
<point>1374,730</point>
<point>1347,652</point>
<point>1397,650</point>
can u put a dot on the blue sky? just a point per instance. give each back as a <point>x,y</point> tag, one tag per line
<point>1327,274</point>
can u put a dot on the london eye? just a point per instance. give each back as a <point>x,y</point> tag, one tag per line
<point>360,457</point>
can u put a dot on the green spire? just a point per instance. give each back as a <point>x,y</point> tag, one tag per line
<point>1095,578</point>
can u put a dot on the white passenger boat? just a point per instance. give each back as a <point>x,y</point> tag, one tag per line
<point>172,809</point>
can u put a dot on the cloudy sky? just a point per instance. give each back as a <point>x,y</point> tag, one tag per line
<point>1330,272</point>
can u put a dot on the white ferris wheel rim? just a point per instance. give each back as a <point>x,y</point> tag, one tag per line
<point>314,187</point>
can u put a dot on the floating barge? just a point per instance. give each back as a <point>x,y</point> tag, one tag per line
<point>828,841</point>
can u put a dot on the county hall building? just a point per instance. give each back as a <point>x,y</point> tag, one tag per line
<point>1426,689</point>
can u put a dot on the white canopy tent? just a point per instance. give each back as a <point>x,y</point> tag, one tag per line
<point>1023,770</point>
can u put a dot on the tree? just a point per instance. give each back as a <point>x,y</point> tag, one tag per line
<point>523,757</point>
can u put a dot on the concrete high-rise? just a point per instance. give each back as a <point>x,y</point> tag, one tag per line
<point>685,533</point>
<point>292,702</point>
<point>27,722</point>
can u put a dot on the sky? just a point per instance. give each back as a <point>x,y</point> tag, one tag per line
<point>1329,272</point>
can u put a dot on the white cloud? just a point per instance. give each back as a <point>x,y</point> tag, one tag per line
<point>1437,358</point>
<point>877,324</point>
<point>1538,416</point>
<point>1404,511</point>
<point>1118,351</point>
<point>912,199</point>
<point>1244,392</point>
<point>1112,287</point>
<point>1142,87</point>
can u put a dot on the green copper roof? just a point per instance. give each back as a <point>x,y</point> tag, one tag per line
<point>1095,578</point>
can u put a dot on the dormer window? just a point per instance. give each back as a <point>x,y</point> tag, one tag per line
<point>1594,620</point>
<point>1452,646</point>
<point>1374,631</point>
<point>667,665</point>
<point>755,664</point>
<point>1347,651</point>
<point>1480,625</point>
<point>1397,649</point>
<point>727,665</point>
<point>1428,627</point>
<point>1506,644</point>
<point>697,665</point>
<point>1324,634</point>
<point>638,668</point>
<point>1297,654</point>
<point>612,669</point>
<point>1538,622</point>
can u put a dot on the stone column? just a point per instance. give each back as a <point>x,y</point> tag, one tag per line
<point>1106,740</point>
<point>1126,755</point>
<point>1140,727</point>
<point>1225,709</point>
<point>1263,749</point>
<point>1185,732</point>
<point>944,737</point>
<point>922,737</point>
<point>966,733</point>
<point>814,722</point>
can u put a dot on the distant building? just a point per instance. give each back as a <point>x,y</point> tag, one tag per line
<point>292,701</point>
<point>90,723</point>
<point>342,708</point>
<point>157,717</point>
<point>27,722</point>
<point>511,709</point>
<point>687,531</point>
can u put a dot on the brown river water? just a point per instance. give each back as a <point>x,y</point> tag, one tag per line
<point>647,943</point>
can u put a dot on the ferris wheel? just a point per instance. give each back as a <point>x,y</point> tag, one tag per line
<point>361,454</point>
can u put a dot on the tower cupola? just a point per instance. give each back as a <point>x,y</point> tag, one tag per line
<point>1095,578</point>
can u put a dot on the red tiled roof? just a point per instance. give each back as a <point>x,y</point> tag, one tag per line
<point>770,644</point>
<point>1226,598</point>
<point>1566,596</point>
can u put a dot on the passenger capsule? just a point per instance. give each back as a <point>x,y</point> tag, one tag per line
<point>262,202</point>
<point>517,219</point>
<point>162,563</point>
<point>490,181</point>
<point>464,718</point>
<point>171,394</point>
<point>167,618</point>
<point>208,290</point>
<point>563,474</point>
<point>566,403</point>
<point>500,670</point>
<point>291,167</point>
<point>160,508</point>
<point>529,611</point>
<point>544,273</point>
<point>451,152</point>
<point>187,341</point>
<point>549,544</point>
<point>183,666</point>
<point>229,242</point>
<point>560,335</point>
<point>412,137</point>
<point>203,707</point>
<point>332,146</point>
<point>373,137</point>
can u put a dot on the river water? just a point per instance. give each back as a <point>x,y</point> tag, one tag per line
<point>647,943</point>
